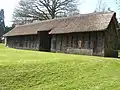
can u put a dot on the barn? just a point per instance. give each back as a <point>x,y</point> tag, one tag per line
<point>34,36</point>
<point>87,34</point>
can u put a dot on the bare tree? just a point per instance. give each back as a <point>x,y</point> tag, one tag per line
<point>30,10</point>
<point>118,4</point>
<point>101,6</point>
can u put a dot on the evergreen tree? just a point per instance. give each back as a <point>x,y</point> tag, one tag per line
<point>2,24</point>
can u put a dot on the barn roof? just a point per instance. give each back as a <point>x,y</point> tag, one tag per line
<point>82,23</point>
<point>32,28</point>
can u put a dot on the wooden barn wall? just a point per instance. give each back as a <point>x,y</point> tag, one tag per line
<point>118,31</point>
<point>98,43</point>
<point>79,43</point>
<point>24,42</point>
<point>111,40</point>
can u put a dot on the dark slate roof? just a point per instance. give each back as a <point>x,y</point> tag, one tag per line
<point>82,23</point>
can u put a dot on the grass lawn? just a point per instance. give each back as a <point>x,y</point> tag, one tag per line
<point>32,70</point>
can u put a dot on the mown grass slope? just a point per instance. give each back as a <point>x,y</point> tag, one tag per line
<point>32,70</point>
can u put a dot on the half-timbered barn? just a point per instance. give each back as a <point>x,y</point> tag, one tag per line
<point>88,34</point>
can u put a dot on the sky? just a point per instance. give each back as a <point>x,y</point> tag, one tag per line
<point>88,6</point>
<point>8,6</point>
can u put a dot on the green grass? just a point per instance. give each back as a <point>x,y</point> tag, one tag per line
<point>32,70</point>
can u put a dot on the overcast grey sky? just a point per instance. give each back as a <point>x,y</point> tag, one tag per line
<point>87,7</point>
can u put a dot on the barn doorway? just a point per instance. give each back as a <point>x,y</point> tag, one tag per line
<point>45,41</point>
